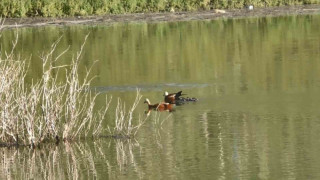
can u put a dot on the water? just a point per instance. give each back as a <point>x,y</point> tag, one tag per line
<point>257,80</point>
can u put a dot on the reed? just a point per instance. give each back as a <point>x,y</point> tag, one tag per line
<point>124,126</point>
<point>58,8</point>
<point>52,110</point>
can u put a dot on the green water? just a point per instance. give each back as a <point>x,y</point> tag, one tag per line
<point>257,81</point>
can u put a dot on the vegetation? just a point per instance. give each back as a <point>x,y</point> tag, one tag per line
<point>51,110</point>
<point>58,8</point>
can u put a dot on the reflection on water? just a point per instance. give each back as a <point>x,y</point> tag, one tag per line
<point>149,87</point>
<point>229,146</point>
<point>258,84</point>
<point>69,161</point>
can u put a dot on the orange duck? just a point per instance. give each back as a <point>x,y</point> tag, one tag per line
<point>173,97</point>
<point>159,106</point>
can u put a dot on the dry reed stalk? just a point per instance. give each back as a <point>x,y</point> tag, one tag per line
<point>52,105</point>
<point>29,115</point>
<point>123,120</point>
<point>49,109</point>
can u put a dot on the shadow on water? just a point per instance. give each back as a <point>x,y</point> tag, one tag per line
<point>150,87</point>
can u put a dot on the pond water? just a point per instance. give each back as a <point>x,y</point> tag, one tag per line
<point>257,81</point>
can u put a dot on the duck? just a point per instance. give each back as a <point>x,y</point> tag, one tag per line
<point>172,97</point>
<point>162,106</point>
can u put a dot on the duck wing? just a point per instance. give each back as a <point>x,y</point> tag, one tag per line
<point>178,94</point>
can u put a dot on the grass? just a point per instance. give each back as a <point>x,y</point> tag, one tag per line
<point>60,8</point>
<point>51,110</point>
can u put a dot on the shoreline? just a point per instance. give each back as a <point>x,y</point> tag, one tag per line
<point>10,23</point>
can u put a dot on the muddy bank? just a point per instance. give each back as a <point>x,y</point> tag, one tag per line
<point>158,17</point>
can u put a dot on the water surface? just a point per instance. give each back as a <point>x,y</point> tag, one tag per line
<point>257,80</point>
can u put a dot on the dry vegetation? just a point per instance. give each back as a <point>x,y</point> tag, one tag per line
<point>51,110</point>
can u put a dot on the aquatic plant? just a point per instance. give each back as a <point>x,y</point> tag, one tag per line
<point>58,8</point>
<point>50,109</point>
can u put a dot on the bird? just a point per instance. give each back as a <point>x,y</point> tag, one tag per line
<point>172,98</point>
<point>162,106</point>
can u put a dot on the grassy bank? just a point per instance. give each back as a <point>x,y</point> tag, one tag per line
<point>60,8</point>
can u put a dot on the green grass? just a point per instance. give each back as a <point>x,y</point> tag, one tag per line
<point>60,8</point>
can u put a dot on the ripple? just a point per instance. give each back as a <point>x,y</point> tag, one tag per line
<point>150,87</point>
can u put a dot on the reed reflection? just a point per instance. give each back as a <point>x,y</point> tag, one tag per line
<point>69,161</point>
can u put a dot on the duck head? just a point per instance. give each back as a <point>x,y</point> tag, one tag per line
<point>165,93</point>
<point>147,101</point>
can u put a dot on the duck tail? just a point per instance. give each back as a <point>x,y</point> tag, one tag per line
<point>178,94</point>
